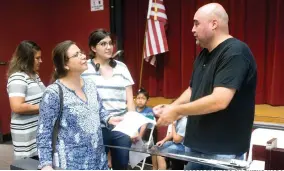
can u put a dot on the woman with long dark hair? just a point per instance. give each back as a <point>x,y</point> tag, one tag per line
<point>114,83</point>
<point>25,91</point>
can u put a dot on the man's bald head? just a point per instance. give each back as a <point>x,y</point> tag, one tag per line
<point>214,11</point>
<point>210,24</point>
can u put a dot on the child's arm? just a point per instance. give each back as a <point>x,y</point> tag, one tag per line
<point>167,138</point>
<point>142,130</point>
<point>149,115</point>
<point>176,137</point>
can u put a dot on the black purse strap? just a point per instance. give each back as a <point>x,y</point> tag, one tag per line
<point>57,122</point>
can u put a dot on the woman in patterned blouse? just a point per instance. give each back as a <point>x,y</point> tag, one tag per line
<point>25,90</point>
<point>79,143</point>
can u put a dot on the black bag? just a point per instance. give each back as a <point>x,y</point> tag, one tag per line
<point>32,164</point>
<point>57,122</point>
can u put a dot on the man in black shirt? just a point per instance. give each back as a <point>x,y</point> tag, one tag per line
<point>220,99</point>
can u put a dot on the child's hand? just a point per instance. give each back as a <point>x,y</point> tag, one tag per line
<point>160,143</point>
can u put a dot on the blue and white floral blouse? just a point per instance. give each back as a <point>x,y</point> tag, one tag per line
<point>80,142</point>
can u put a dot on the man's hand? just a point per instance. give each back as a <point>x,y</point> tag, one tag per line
<point>168,115</point>
<point>114,120</point>
<point>157,110</point>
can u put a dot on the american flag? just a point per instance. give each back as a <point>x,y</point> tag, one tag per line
<point>155,35</point>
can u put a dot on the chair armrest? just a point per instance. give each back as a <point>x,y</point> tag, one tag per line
<point>271,144</point>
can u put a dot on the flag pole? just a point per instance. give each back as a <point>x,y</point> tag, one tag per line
<point>142,63</point>
<point>144,43</point>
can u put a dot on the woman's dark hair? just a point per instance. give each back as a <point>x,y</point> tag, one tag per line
<point>95,37</point>
<point>144,92</point>
<point>60,58</point>
<point>23,58</point>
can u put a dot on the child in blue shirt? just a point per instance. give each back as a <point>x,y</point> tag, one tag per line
<point>142,98</point>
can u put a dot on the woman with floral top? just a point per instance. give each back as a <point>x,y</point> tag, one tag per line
<point>79,142</point>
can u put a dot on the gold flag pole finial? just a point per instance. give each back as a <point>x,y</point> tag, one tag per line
<point>156,10</point>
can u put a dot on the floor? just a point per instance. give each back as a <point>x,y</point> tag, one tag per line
<point>6,155</point>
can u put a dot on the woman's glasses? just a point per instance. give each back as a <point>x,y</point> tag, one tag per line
<point>80,54</point>
<point>104,44</point>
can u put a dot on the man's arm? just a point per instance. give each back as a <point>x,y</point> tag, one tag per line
<point>218,100</point>
<point>229,77</point>
<point>184,97</point>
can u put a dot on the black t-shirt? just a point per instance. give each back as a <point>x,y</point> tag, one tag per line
<point>231,64</point>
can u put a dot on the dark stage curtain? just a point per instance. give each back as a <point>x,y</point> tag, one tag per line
<point>259,23</point>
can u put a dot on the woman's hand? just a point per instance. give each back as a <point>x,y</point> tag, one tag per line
<point>135,138</point>
<point>47,168</point>
<point>114,120</point>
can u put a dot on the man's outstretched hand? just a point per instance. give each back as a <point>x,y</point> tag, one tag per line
<point>166,114</point>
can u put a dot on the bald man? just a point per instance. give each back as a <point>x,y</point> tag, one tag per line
<point>220,99</point>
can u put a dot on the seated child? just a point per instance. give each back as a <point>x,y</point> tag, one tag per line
<point>142,98</point>
<point>159,162</point>
<point>173,143</point>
